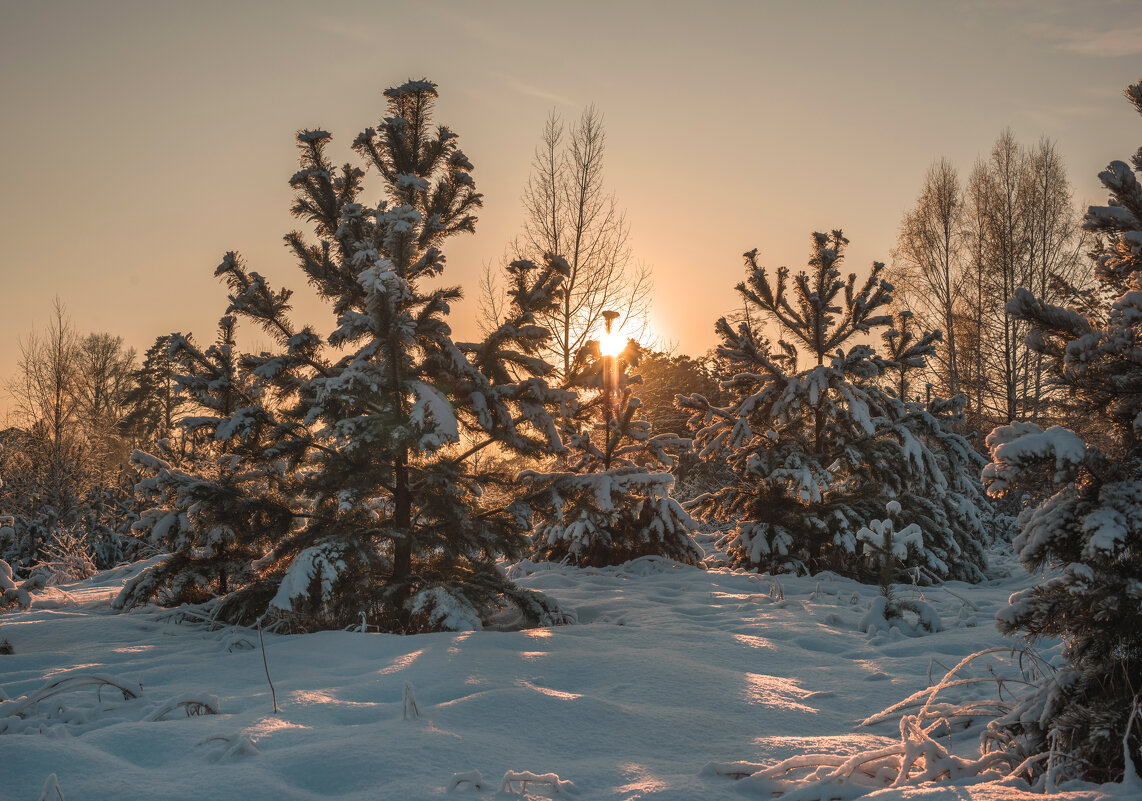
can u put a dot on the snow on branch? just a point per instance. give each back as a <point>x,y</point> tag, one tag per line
<point>1015,448</point>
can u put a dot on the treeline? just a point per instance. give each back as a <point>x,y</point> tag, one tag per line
<point>80,403</point>
<point>964,247</point>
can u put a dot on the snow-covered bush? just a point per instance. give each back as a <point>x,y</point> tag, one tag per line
<point>818,451</point>
<point>1088,535</point>
<point>12,592</point>
<point>66,557</point>
<point>339,483</point>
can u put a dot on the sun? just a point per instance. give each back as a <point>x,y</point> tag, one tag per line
<point>612,343</point>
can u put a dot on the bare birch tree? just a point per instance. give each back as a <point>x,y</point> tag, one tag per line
<point>964,250</point>
<point>1006,246</point>
<point>929,271</point>
<point>1055,245</point>
<point>569,212</point>
<point>46,404</point>
<point>104,375</point>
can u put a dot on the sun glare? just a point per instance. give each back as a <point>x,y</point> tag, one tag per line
<point>612,344</point>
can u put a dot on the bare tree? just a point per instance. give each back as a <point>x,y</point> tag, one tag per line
<point>964,250</point>
<point>1055,245</point>
<point>569,213</point>
<point>46,404</point>
<point>970,333</point>
<point>104,377</point>
<point>1007,245</point>
<point>929,270</point>
<point>1023,232</point>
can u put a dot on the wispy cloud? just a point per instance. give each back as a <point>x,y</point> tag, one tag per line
<point>524,88</point>
<point>476,28</point>
<point>1106,44</point>
<point>1051,117</point>
<point>1095,28</point>
<point>354,32</point>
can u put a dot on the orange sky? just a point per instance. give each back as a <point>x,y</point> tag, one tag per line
<point>142,140</point>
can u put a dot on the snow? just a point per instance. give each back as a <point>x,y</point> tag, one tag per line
<point>433,415</point>
<point>670,669</point>
<point>1015,445</point>
<point>310,564</point>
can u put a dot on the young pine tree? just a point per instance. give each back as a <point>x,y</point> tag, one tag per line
<point>817,452</point>
<point>358,431</point>
<point>612,503</point>
<point>217,512</point>
<point>1089,534</point>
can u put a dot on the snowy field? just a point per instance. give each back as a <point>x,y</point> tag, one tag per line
<point>669,669</point>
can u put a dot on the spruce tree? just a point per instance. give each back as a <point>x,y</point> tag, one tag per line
<point>818,451</point>
<point>1087,537</point>
<point>612,502</point>
<point>358,431</point>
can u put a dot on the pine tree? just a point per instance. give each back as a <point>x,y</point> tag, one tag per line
<point>153,403</point>
<point>608,507</point>
<point>906,352</point>
<point>356,434</point>
<point>818,452</point>
<point>214,512</point>
<point>1089,534</point>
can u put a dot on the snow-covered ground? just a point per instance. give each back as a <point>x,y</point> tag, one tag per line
<point>670,668</point>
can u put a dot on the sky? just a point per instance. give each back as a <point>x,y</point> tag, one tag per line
<point>140,141</point>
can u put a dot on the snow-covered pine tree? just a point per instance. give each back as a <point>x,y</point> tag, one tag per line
<point>818,452</point>
<point>1089,534</point>
<point>217,511</point>
<point>612,503</point>
<point>362,427</point>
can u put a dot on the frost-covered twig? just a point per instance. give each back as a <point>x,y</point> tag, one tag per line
<point>203,615</point>
<point>1130,777</point>
<point>238,745</point>
<point>51,791</point>
<point>198,705</point>
<point>21,707</point>
<point>525,777</point>
<point>30,713</point>
<point>473,777</point>
<point>67,558</point>
<point>411,710</point>
<point>947,682</point>
<point>916,758</point>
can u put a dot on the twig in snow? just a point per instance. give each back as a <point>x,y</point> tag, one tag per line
<point>525,777</point>
<point>411,710</point>
<point>202,705</point>
<point>473,777</point>
<point>266,665</point>
<point>51,791</point>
